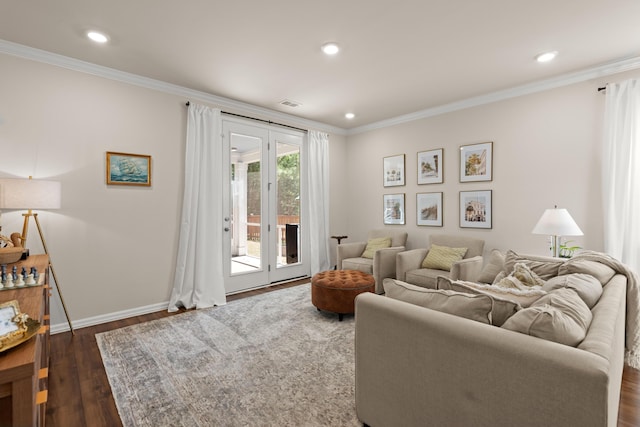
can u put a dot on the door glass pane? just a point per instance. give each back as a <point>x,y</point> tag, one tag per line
<point>246,204</point>
<point>288,203</point>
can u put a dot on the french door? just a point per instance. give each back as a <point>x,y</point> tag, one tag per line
<point>265,205</point>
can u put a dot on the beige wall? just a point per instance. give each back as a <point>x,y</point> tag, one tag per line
<point>113,247</point>
<point>546,152</point>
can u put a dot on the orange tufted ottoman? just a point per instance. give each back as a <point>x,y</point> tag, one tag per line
<point>336,290</point>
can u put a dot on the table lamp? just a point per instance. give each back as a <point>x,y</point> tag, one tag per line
<point>556,223</point>
<point>30,194</point>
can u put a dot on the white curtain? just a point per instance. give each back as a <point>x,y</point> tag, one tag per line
<point>319,200</point>
<point>199,280</point>
<point>621,172</point>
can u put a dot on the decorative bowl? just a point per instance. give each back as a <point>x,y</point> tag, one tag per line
<point>10,255</point>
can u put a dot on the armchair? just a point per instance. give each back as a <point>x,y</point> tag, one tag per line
<point>383,263</point>
<point>409,263</point>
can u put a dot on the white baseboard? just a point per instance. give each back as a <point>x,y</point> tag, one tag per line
<point>109,317</point>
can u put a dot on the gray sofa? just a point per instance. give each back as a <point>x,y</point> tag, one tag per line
<point>419,367</point>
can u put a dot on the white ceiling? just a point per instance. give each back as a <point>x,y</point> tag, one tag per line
<point>398,57</point>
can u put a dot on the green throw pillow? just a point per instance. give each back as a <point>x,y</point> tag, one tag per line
<point>442,257</point>
<point>374,244</point>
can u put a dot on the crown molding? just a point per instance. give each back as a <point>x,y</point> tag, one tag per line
<point>39,55</point>
<point>539,86</point>
<point>62,61</point>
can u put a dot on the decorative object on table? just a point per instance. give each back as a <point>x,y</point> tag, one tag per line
<point>9,255</point>
<point>556,223</point>
<point>128,169</point>
<point>32,194</point>
<point>15,327</point>
<point>475,209</point>
<point>429,209</point>
<point>393,205</point>
<point>566,251</point>
<point>431,167</point>
<point>476,162</point>
<point>393,170</point>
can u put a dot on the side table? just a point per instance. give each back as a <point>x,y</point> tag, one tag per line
<point>24,369</point>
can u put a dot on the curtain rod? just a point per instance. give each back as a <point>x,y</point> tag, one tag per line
<point>260,120</point>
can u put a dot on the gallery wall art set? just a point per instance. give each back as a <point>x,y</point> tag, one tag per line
<point>476,165</point>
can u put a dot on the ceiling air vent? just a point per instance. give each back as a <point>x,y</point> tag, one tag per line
<point>290,103</point>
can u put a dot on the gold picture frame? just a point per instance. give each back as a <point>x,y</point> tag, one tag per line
<point>15,327</point>
<point>128,169</point>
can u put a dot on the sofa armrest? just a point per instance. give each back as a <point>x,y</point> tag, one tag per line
<point>348,250</point>
<point>384,265</point>
<point>409,260</point>
<point>467,269</point>
<point>416,367</point>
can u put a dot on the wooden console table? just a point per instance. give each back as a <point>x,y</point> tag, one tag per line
<point>24,369</point>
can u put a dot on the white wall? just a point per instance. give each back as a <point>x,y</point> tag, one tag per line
<point>113,247</point>
<point>546,152</point>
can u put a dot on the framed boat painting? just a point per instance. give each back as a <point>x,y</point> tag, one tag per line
<point>128,169</point>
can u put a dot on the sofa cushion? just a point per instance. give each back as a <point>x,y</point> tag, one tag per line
<point>544,269</point>
<point>442,257</point>
<point>424,277</point>
<point>474,307</point>
<point>560,316</point>
<point>502,309</point>
<point>600,271</point>
<point>495,264</point>
<point>374,244</point>
<point>360,264</point>
<point>586,286</point>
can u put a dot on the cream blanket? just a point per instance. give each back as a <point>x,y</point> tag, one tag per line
<point>632,330</point>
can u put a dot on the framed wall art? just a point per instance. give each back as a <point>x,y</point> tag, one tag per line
<point>128,169</point>
<point>431,167</point>
<point>429,209</point>
<point>393,208</point>
<point>476,162</point>
<point>393,170</point>
<point>475,209</point>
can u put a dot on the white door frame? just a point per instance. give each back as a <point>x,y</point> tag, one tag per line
<point>269,271</point>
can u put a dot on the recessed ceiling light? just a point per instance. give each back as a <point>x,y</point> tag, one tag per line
<point>547,56</point>
<point>349,116</point>
<point>330,48</point>
<point>97,37</point>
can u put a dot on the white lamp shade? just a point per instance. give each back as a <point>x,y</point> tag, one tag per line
<point>29,194</point>
<point>557,222</point>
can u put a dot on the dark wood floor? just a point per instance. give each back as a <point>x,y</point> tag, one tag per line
<point>79,392</point>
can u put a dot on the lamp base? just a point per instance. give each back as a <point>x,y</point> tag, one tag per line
<point>25,254</point>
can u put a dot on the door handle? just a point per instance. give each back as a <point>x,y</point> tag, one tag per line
<point>226,229</point>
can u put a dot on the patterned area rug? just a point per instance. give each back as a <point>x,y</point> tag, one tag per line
<point>267,360</point>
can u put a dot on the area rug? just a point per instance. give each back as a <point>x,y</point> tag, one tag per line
<point>266,360</point>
